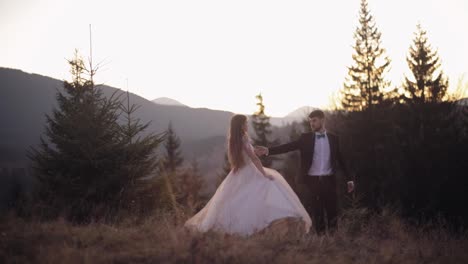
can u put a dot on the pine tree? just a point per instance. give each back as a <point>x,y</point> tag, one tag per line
<point>173,157</point>
<point>262,128</point>
<point>140,161</point>
<point>88,160</point>
<point>365,85</point>
<point>79,165</point>
<point>426,86</point>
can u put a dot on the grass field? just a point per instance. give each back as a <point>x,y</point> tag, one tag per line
<point>383,238</point>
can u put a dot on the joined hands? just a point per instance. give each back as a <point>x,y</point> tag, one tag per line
<point>261,151</point>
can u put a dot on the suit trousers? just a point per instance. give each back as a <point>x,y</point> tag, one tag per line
<point>324,202</point>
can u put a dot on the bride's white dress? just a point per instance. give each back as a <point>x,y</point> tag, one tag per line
<point>247,202</point>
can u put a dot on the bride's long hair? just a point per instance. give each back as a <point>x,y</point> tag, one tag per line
<point>235,141</point>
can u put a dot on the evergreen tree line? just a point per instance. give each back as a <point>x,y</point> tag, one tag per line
<point>407,146</point>
<point>414,158</point>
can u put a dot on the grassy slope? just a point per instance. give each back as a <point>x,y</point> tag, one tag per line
<point>380,239</point>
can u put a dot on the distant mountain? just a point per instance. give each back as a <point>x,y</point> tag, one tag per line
<point>167,101</point>
<point>26,98</point>
<point>462,102</point>
<point>297,115</point>
<point>301,112</point>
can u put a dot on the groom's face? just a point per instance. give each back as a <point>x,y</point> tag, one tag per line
<point>316,123</point>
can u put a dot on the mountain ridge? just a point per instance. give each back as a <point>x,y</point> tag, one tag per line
<point>26,99</point>
<point>168,101</point>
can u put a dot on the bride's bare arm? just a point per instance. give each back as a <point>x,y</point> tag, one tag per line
<point>256,161</point>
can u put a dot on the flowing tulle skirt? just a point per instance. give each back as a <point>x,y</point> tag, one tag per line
<point>247,202</point>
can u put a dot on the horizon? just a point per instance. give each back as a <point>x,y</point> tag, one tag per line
<point>220,55</point>
<point>164,97</point>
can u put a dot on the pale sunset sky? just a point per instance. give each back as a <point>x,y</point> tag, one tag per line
<point>220,54</point>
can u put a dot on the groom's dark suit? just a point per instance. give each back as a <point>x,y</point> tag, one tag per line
<point>322,188</point>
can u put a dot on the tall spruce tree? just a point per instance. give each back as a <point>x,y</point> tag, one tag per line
<point>140,160</point>
<point>428,83</point>
<point>83,162</point>
<point>262,129</point>
<point>365,85</point>
<point>173,158</point>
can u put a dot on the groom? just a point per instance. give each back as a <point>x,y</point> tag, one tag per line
<point>320,158</point>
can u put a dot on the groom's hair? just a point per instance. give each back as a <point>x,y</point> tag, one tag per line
<point>317,113</point>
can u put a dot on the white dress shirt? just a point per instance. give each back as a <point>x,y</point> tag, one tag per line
<point>321,161</point>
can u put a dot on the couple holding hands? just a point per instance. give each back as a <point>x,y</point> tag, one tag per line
<point>252,196</point>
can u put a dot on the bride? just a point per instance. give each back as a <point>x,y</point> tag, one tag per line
<point>251,196</point>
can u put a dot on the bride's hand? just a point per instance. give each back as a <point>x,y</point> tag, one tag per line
<point>260,150</point>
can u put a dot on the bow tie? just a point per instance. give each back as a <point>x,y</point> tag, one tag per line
<point>319,135</point>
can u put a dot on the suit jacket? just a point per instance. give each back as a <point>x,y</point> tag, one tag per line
<point>305,144</point>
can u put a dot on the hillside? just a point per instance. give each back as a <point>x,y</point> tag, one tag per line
<point>26,98</point>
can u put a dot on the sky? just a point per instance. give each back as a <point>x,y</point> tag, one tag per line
<point>219,54</point>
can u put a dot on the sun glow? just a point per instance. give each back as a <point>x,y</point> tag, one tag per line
<point>218,54</point>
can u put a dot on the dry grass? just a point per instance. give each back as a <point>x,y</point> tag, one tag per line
<point>379,239</point>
